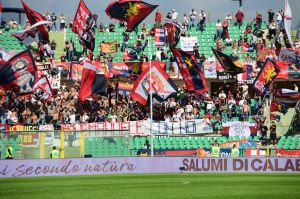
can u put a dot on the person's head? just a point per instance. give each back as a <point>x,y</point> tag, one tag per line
<point>8,145</point>
<point>234,146</point>
<point>173,10</point>
<point>54,147</point>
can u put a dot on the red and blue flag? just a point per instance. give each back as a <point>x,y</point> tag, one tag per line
<point>190,71</point>
<point>173,31</point>
<point>133,12</point>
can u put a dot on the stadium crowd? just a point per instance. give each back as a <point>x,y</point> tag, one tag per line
<point>224,105</point>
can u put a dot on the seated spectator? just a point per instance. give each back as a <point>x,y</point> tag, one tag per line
<point>228,41</point>
<point>13,24</point>
<point>101,27</point>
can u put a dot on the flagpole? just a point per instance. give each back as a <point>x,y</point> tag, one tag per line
<point>151,103</point>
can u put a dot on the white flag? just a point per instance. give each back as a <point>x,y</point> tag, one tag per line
<point>288,21</point>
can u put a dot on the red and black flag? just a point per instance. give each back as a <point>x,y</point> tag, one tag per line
<point>265,77</point>
<point>190,71</point>
<point>85,25</point>
<point>231,64</point>
<point>19,73</point>
<point>173,32</point>
<point>93,81</point>
<point>33,18</point>
<point>133,12</point>
<point>42,89</point>
<point>286,93</point>
<point>277,106</point>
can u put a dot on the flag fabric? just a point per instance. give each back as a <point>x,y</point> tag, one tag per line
<point>173,32</point>
<point>4,54</point>
<point>159,37</point>
<point>265,77</point>
<point>162,86</point>
<point>288,21</point>
<point>19,73</point>
<point>231,65</point>
<point>275,117</point>
<point>85,25</point>
<point>287,93</point>
<point>190,71</point>
<point>133,12</point>
<point>93,81</point>
<point>277,106</point>
<point>30,35</point>
<point>43,89</point>
<point>34,17</point>
<point>122,69</point>
<point>109,47</point>
<point>246,77</point>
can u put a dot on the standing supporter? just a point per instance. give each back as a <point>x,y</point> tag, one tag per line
<point>270,15</point>
<point>193,15</point>
<point>158,19</point>
<point>228,18</point>
<point>53,19</point>
<point>62,22</point>
<point>273,136</point>
<point>239,18</point>
<point>53,48</point>
<point>202,17</point>
<point>225,32</point>
<point>218,29</point>
<point>258,20</point>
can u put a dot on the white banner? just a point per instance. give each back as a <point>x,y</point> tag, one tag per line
<point>238,128</point>
<point>188,43</point>
<point>199,126</point>
<point>210,69</point>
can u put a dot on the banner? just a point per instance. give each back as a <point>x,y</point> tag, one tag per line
<point>198,126</point>
<point>221,74</point>
<point>132,165</point>
<point>238,129</point>
<point>265,77</point>
<point>76,70</point>
<point>210,70</point>
<point>109,47</point>
<point>173,70</point>
<point>26,133</point>
<point>288,153</point>
<point>159,37</point>
<point>188,43</point>
<point>124,88</point>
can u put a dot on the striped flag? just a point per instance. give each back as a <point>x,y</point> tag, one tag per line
<point>288,21</point>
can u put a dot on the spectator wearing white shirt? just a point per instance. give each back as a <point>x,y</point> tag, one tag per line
<point>193,15</point>
<point>296,88</point>
<point>228,41</point>
<point>218,29</point>
<point>211,58</point>
<point>174,15</point>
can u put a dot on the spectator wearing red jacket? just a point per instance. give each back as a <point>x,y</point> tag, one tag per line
<point>158,18</point>
<point>239,18</point>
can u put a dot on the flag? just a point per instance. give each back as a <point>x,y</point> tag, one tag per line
<point>277,106</point>
<point>159,37</point>
<point>93,81</point>
<point>109,47</point>
<point>133,12</point>
<point>231,65</point>
<point>34,17</point>
<point>123,69</point>
<point>246,77</point>
<point>30,35</point>
<point>19,73</point>
<point>85,25</point>
<point>265,77</point>
<point>287,93</point>
<point>190,71</point>
<point>288,21</point>
<point>43,89</point>
<point>162,86</point>
<point>173,32</point>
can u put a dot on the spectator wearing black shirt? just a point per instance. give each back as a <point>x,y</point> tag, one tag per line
<point>53,48</point>
<point>53,19</point>
<point>271,15</point>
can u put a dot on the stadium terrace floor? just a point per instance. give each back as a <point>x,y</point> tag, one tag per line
<point>152,186</point>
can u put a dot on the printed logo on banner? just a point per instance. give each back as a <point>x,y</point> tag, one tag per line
<point>210,70</point>
<point>160,37</point>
